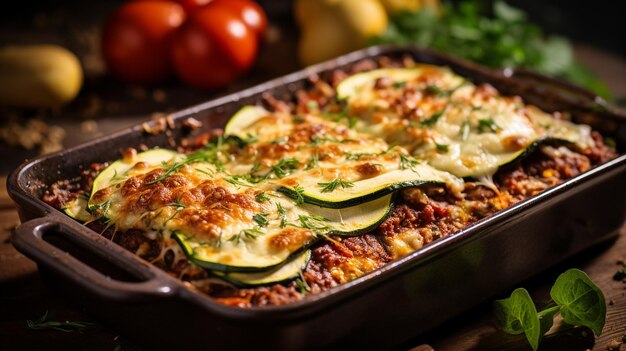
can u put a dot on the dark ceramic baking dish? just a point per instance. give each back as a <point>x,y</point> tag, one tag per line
<point>379,310</point>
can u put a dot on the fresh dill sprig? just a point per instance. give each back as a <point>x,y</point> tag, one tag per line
<point>43,323</point>
<point>261,197</point>
<point>407,162</point>
<point>281,215</point>
<point>487,125</point>
<point>299,191</point>
<point>284,166</point>
<point>336,183</point>
<point>246,235</point>
<point>432,120</point>
<point>236,181</point>
<point>261,219</point>
<point>318,224</point>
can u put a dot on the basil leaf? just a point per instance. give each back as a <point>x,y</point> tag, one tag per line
<point>517,314</point>
<point>580,300</point>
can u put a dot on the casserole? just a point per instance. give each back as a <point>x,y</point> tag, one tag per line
<point>495,246</point>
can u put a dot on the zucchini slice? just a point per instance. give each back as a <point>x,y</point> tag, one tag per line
<point>118,171</point>
<point>77,209</point>
<point>312,191</point>
<point>270,246</point>
<point>288,271</point>
<point>240,124</point>
<point>464,130</point>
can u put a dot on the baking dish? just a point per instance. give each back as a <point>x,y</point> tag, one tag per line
<point>380,309</point>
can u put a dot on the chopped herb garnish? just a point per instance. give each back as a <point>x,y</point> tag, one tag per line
<point>302,286</point>
<point>430,121</point>
<point>441,147</point>
<point>399,84</point>
<point>337,182</point>
<point>246,234</point>
<point>487,125</point>
<point>261,219</point>
<point>235,180</point>
<point>261,197</point>
<point>101,209</point>
<point>283,166</point>
<point>43,323</point>
<point>279,141</point>
<point>434,89</point>
<point>299,190</point>
<point>330,139</point>
<point>318,224</point>
<point>281,215</point>
<point>465,130</point>
<point>313,162</point>
<point>407,162</point>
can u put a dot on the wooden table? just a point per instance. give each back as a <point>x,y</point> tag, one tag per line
<point>23,295</point>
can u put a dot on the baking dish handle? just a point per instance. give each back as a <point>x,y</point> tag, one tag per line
<point>133,279</point>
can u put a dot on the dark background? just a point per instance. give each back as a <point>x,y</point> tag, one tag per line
<point>600,23</point>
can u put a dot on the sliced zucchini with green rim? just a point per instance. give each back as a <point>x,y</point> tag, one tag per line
<point>117,171</point>
<point>243,119</point>
<point>77,209</point>
<point>263,249</point>
<point>289,271</point>
<point>361,191</point>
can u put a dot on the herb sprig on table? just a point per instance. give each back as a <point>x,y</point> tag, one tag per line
<point>579,301</point>
<point>502,37</point>
<point>44,323</point>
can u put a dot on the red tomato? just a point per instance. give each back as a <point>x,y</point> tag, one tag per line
<point>191,6</point>
<point>135,42</point>
<point>213,48</point>
<point>249,11</point>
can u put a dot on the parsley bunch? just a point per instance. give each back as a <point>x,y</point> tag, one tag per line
<point>506,38</point>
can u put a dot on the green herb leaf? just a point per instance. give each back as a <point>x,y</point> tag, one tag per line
<point>261,219</point>
<point>283,167</point>
<point>315,223</point>
<point>336,183</point>
<point>580,300</point>
<point>299,191</point>
<point>281,215</point>
<point>430,121</point>
<point>441,147</point>
<point>261,197</point>
<point>517,314</point>
<point>43,323</point>
<point>487,125</point>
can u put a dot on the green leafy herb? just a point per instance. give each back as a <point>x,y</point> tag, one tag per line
<point>576,297</point>
<point>284,166</point>
<point>313,162</point>
<point>487,125</point>
<point>430,121</point>
<point>581,301</point>
<point>299,190</point>
<point>407,162</point>
<point>517,314</point>
<point>317,140</point>
<point>246,234</point>
<point>337,182</point>
<point>101,209</point>
<point>302,286</point>
<point>315,223</point>
<point>399,84</point>
<point>434,89</point>
<point>499,37</point>
<point>43,323</point>
<point>261,197</point>
<point>465,130</point>
<point>281,215</point>
<point>261,219</point>
<point>279,141</point>
<point>441,147</point>
<point>236,181</point>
